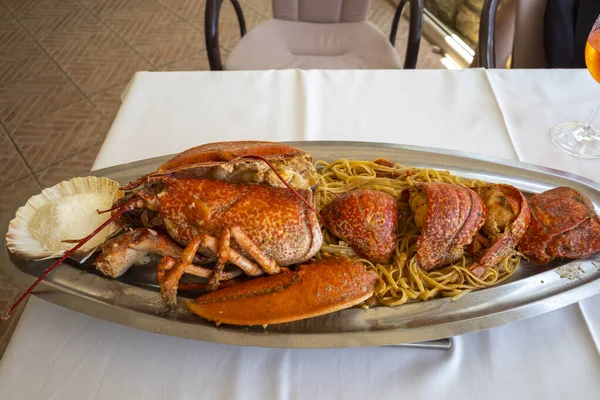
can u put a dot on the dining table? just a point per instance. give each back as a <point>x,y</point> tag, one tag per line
<point>58,353</point>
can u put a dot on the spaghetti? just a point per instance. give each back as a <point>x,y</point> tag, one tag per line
<point>402,279</point>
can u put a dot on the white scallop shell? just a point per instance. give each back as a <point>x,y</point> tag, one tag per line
<point>19,239</point>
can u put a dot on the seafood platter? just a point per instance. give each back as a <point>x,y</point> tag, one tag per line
<point>310,244</point>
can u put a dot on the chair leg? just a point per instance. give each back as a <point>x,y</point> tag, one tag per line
<point>211,33</point>
<point>396,21</point>
<point>240,17</point>
<point>487,33</point>
<point>211,30</point>
<point>414,34</point>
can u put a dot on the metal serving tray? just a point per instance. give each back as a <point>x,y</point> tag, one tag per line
<point>133,299</point>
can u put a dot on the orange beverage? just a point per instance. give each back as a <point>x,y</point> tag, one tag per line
<point>592,54</point>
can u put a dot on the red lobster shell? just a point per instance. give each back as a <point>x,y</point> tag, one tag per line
<point>449,217</point>
<point>563,224</point>
<point>232,162</point>
<point>366,220</point>
<point>315,289</point>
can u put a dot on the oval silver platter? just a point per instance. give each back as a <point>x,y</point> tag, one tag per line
<point>133,299</point>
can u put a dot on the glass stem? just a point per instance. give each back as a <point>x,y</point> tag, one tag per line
<point>593,115</point>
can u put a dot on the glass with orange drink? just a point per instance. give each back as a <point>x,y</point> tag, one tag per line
<point>582,139</point>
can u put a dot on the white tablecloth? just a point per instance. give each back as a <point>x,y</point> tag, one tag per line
<point>58,353</point>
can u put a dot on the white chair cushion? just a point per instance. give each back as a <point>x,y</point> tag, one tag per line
<point>280,44</point>
<point>322,11</point>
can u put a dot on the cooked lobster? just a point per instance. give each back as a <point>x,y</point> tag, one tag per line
<point>314,289</point>
<point>563,224</point>
<point>505,224</point>
<point>448,216</point>
<point>256,227</point>
<point>366,220</point>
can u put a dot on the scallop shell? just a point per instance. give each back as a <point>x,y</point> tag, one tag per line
<point>21,242</point>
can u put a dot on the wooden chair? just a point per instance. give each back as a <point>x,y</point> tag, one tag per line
<point>308,34</point>
<point>528,43</point>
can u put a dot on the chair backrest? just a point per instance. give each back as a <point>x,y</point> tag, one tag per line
<point>528,39</point>
<point>322,11</point>
<point>528,44</point>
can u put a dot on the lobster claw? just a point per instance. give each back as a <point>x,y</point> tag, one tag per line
<point>316,289</point>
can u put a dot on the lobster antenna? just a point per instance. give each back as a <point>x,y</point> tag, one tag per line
<point>288,186</point>
<point>48,270</point>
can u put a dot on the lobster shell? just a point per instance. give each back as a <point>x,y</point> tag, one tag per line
<point>316,289</point>
<point>563,224</point>
<point>503,242</point>
<point>275,219</point>
<point>236,162</point>
<point>228,151</point>
<point>366,220</point>
<point>454,215</point>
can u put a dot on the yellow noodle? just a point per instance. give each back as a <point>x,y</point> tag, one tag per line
<point>402,280</point>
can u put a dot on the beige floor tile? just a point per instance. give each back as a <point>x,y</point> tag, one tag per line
<point>99,69</point>
<point>19,7</point>
<point>75,35</point>
<point>195,62</point>
<point>38,95</point>
<point>13,36</point>
<point>187,9</point>
<point>78,165</point>
<point>138,21</point>
<point>4,13</point>
<point>64,133</point>
<point>16,194</point>
<point>263,7</point>
<point>94,58</point>
<point>104,8</point>
<point>91,55</point>
<point>12,165</point>
<point>47,16</point>
<point>20,56</point>
<point>109,101</point>
<point>11,197</point>
<point>10,293</point>
<point>21,64</point>
<point>169,44</point>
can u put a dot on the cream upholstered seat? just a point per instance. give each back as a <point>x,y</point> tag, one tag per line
<point>312,34</point>
<point>280,44</point>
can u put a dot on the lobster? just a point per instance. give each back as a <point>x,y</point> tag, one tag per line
<point>255,227</point>
<point>246,204</point>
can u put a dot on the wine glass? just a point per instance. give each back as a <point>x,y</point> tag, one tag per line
<point>582,139</point>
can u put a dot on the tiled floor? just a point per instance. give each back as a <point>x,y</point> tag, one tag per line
<point>64,63</point>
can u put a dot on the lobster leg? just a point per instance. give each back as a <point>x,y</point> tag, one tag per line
<point>123,251</point>
<point>224,247</point>
<point>267,264</point>
<point>170,271</point>
<point>174,270</point>
<point>166,263</point>
<point>210,243</point>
